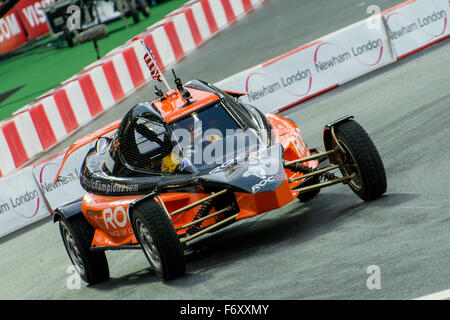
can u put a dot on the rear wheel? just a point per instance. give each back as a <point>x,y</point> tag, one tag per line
<point>159,240</point>
<point>361,158</point>
<point>77,235</point>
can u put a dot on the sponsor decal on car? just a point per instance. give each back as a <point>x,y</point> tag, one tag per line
<point>107,188</point>
<point>185,164</point>
<point>115,220</point>
<point>266,181</point>
<point>94,213</point>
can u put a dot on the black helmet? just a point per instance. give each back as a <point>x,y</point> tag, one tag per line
<point>142,138</point>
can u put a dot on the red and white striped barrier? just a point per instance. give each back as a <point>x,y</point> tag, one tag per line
<point>98,87</point>
<point>75,103</point>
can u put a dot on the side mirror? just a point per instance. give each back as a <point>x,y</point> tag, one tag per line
<point>102,144</point>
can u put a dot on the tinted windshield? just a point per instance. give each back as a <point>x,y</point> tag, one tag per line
<point>213,118</point>
<point>212,136</point>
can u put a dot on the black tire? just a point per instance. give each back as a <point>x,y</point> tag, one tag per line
<point>77,236</point>
<point>306,196</point>
<point>370,181</point>
<point>159,240</point>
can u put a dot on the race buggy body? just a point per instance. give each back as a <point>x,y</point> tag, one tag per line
<point>193,161</point>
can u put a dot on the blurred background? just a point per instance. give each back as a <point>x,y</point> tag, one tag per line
<point>37,35</point>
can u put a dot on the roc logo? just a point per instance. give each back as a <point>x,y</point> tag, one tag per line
<point>267,181</point>
<point>116,218</point>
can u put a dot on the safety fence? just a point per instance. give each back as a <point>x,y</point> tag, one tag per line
<point>342,56</point>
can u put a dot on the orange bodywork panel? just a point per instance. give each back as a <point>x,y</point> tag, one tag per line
<point>109,214</point>
<point>290,137</point>
<point>174,106</point>
<point>85,140</point>
<point>251,205</point>
<point>110,219</point>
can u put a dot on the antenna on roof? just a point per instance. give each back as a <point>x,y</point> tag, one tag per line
<point>155,72</point>
<point>158,92</point>
<point>178,82</point>
<point>184,93</point>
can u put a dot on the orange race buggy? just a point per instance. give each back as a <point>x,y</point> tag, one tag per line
<point>193,161</point>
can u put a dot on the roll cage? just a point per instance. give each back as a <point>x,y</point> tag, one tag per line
<point>144,138</point>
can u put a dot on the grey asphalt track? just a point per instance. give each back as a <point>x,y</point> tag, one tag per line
<point>318,250</point>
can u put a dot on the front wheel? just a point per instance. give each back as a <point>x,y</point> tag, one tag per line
<point>361,159</point>
<point>77,235</point>
<point>159,240</point>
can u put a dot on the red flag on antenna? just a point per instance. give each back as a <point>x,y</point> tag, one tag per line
<point>155,72</point>
<point>151,63</point>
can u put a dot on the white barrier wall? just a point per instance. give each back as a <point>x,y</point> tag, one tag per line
<point>316,67</point>
<point>417,24</point>
<point>30,194</point>
<point>68,187</point>
<point>21,202</point>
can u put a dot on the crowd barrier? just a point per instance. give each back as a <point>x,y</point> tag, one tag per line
<point>273,86</point>
<point>314,68</point>
<point>342,56</point>
<point>417,24</point>
<point>21,201</point>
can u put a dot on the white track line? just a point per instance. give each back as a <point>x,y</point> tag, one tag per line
<point>442,295</point>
